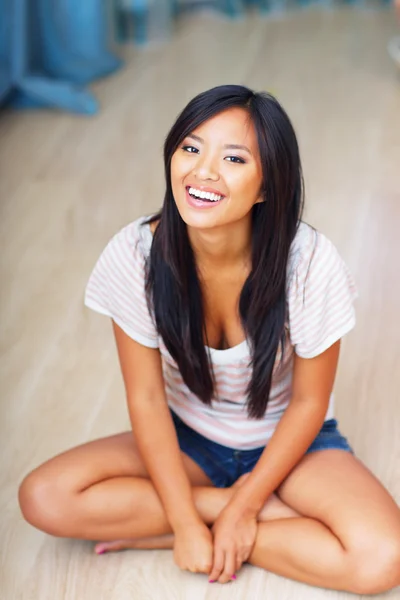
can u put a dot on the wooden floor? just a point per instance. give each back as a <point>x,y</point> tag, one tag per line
<point>68,183</point>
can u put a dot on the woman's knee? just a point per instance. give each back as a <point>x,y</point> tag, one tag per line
<point>44,502</point>
<point>375,567</point>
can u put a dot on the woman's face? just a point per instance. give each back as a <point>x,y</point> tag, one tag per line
<point>221,159</point>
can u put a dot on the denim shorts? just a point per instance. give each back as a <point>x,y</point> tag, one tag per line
<point>225,465</point>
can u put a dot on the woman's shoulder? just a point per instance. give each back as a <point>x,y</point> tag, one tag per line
<point>116,286</point>
<point>133,238</point>
<point>320,293</point>
<point>309,245</point>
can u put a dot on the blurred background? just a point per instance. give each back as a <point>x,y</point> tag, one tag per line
<point>88,92</point>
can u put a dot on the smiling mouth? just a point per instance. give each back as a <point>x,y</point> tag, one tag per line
<point>204,196</point>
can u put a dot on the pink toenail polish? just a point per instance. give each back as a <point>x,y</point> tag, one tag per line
<point>234,577</point>
<point>211,581</point>
<point>100,551</point>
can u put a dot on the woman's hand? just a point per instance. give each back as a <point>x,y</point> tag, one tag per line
<point>193,548</point>
<point>234,537</point>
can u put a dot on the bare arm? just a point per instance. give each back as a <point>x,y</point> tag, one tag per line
<point>312,386</point>
<point>235,529</point>
<point>154,430</point>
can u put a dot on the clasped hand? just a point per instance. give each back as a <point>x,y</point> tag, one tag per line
<point>220,552</point>
<point>234,538</point>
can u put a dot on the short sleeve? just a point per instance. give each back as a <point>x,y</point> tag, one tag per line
<point>320,297</point>
<point>116,287</point>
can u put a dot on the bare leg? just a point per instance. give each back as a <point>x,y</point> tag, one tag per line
<point>100,491</point>
<point>302,549</point>
<point>209,503</point>
<point>271,550</point>
<point>59,499</point>
<point>298,547</point>
<point>348,538</point>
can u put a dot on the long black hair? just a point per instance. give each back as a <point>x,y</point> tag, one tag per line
<point>173,288</point>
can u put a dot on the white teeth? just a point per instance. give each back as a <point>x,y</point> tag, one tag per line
<point>204,195</point>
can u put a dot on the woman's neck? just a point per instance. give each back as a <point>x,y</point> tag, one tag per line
<point>228,246</point>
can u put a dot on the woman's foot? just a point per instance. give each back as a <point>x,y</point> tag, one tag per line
<point>162,542</point>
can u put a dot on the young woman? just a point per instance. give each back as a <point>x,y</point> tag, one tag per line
<point>228,313</point>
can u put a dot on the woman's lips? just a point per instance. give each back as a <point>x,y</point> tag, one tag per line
<point>198,203</point>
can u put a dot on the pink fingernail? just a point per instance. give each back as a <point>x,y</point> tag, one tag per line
<point>234,577</point>
<point>100,551</point>
<point>211,580</point>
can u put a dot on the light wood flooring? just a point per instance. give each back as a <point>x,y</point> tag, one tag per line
<point>68,183</point>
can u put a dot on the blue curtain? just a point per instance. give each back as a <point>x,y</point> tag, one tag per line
<point>5,49</point>
<point>52,49</point>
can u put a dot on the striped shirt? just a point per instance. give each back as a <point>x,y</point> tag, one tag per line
<point>320,294</point>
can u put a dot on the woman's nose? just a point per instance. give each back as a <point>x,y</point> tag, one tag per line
<point>206,169</point>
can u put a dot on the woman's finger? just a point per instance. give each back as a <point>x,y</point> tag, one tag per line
<point>239,562</point>
<point>218,565</point>
<point>229,566</point>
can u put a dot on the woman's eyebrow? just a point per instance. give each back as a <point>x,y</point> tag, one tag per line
<point>196,137</point>
<point>226,146</point>
<point>238,147</point>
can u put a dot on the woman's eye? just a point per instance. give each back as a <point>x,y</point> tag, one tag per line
<point>190,149</point>
<point>235,159</point>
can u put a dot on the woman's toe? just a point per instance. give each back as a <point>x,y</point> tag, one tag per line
<point>114,546</point>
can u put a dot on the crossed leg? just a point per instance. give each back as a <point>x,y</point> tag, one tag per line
<point>332,524</point>
<point>349,535</point>
<point>101,491</point>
